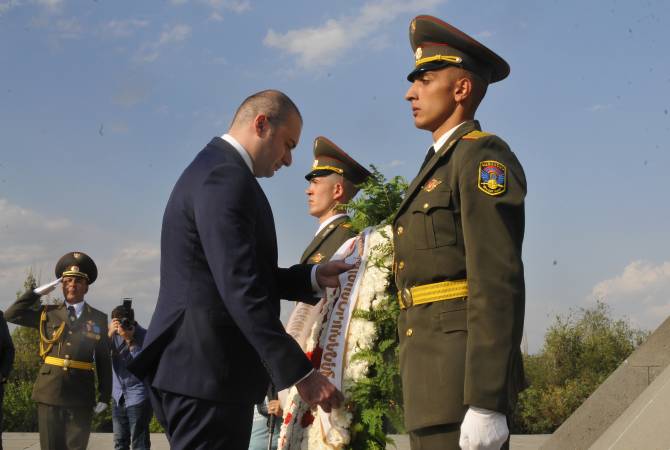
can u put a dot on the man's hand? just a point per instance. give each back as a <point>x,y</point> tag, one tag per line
<point>46,288</point>
<point>483,429</point>
<point>327,274</point>
<point>274,408</point>
<point>113,327</point>
<point>317,390</point>
<point>100,407</point>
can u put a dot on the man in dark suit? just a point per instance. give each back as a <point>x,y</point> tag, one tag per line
<point>215,339</point>
<point>458,238</point>
<point>73,341</point>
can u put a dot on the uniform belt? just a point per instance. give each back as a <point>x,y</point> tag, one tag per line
<point>434,292</point>
<point>68,363</point>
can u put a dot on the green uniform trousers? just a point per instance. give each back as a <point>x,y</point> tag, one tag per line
<point>63,427</point>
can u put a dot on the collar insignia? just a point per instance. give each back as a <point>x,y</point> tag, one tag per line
<point>432,184</point>
<point>317,258</point>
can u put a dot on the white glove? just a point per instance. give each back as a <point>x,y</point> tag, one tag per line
<point>483,429</point>
<point>100,407</point>
<point>46,288</point>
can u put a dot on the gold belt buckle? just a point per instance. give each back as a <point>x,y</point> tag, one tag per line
<point>406,297</point>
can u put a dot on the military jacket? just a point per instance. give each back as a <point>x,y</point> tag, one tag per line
<point>328,241</point>
<point>462,219</point>
<point>83,340</point>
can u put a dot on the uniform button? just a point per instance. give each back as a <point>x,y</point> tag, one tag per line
<point>409,332</point>
<point>67,343</point>
<point>401,265</point>
<point>67,356</point>
<point>331,226</point>
<point>69,332</point>
<point>400,230</point>
<point>425,205</point>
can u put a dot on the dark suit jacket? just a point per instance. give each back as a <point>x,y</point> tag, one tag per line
<point>84,340</point>
<point>216,333</point>
<point>6,349</point>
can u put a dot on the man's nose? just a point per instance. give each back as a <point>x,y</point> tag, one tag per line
<point>288,158</point>
<point>410,94</point>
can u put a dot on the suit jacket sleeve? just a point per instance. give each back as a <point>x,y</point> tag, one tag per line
<point>226,223</point>
<point>6,349</point>
<point>103,364</point>
<point>493,228</point>
<point>295,283</point>
<point>25,310</point>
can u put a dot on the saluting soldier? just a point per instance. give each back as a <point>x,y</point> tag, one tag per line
<point>73,340</point>
<point>333,182</point>
<point>457,238</point>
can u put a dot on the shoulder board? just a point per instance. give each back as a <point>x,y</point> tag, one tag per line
<point>345,224</point>
<point>476,134</point>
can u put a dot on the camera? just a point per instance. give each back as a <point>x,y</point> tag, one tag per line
<point>124,314</point>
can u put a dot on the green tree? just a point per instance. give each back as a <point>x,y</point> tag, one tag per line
<point>580,351</point>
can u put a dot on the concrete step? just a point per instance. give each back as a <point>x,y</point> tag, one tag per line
<point>104,441</point>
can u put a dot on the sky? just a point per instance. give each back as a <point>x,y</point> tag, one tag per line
<point>104,103</point>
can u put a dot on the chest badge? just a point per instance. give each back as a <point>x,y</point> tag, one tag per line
<point>432,184</point>
<point>317,258</point>
<point>492,178</point>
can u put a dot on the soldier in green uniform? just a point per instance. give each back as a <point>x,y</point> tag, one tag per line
<point>332,184</point>
<point>457,237</point>
<point>73,341</point>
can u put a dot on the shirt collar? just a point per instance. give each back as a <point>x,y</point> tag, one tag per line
<point>78,307</point>
<point>442,139</point>
<point>327,221</point>
<point>241,150</point>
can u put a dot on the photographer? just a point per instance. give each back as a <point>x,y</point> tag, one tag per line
<point>132,409</point>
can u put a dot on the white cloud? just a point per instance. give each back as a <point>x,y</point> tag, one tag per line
<point>50,4</point>
<point>641,291</point>
<point>599,107</point>
<point>133,90</point>
<point>68,28</point>
<point>176,34</point>
<point>5,6</point>
<point>124,28</point>
<point>322,46</point>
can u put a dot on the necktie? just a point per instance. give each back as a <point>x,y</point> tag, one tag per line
<point>429,155</point>
<point>71,314</point>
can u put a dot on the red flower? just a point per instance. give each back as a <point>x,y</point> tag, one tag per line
<point>288,418</point>
<point>307,419</point>
<point>315,357</point>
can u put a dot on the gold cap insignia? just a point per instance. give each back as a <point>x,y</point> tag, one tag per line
<point>432,184</point>
<point>418,53</point>
<point>317,258</point>
<point>74,269</point>
<point>316,163</point>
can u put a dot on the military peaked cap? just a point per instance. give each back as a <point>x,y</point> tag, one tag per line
<point>436,44</point>
<point>329,159</point>
<point>77,264</point>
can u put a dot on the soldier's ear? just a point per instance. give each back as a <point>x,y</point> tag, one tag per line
<point>338,191</point>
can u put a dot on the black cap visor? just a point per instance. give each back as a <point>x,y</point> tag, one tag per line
<point>318,173</point>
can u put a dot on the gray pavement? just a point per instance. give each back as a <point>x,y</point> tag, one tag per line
<point>103,441</point>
